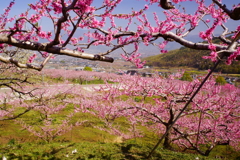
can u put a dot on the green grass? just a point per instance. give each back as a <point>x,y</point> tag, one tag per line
<point>196,72</point>
<point>134,150</point>
<point>85,82</point>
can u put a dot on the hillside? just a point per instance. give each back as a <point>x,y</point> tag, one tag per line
<point>186,57</point>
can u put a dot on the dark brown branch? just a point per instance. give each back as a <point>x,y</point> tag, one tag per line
<point>159,119</point>
<point>61,20</point>
<point>21,92</point>
<point>233,14</point>
<point>16,116</point>
<point>166,4</point>
<point>72,32</point>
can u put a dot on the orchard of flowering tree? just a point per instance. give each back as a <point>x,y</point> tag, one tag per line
<point>47,106</point>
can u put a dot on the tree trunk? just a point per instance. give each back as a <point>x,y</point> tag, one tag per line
<point>167,141</point>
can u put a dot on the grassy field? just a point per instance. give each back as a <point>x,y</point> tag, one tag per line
<point>132,150</point>
<point>88,142</point>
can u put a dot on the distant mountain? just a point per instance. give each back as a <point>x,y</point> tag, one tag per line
<point>186,57</point>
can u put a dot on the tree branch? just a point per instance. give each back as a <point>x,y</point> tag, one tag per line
<point>36,46</point>
<point>176,38</point>
<point>233,14</point>
<point>166,4</point>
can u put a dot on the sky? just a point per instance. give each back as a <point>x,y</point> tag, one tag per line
<point>126,7</point>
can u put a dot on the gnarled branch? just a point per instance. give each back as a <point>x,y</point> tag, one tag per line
<point>166,4</point>
<point>233,14</point>
<point>36,46</point>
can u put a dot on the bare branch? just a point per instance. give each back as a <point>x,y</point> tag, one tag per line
<point>166,4</point>
<point>27,65</point>
<point>174,37</point>
<point>233,14</point>
<point>222,36</point>
<point>35,46</point>
<point>16,116</point>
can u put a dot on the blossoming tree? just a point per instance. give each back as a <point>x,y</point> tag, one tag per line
<point>212,119</point>
<point>67,17</point>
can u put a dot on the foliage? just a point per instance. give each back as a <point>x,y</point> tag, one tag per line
<point>186,77</point>
<point>87,68</point>
<point>220,80</point>
<point>185,57</point>
<point>89,150</point>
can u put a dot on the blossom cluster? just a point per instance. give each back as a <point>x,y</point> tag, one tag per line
<point>101,23</point>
